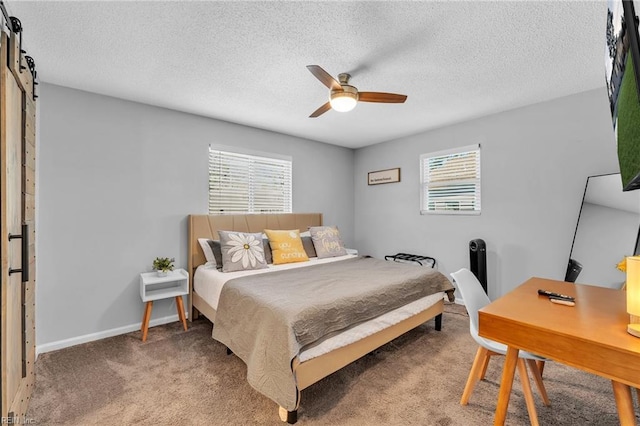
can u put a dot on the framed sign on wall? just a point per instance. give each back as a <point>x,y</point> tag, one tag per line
<point>383,176</point>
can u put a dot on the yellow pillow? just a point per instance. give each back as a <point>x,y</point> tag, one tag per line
<point>286,246</point>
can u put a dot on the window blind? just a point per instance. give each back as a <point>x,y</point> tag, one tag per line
<point>242,183</point>
<point>450,181</point>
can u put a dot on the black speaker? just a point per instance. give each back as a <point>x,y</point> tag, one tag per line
<point>573,270</point>
<point>478,261</point>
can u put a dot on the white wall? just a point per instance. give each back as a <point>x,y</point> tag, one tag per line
<point>535,162</point>
<point>117,180</point>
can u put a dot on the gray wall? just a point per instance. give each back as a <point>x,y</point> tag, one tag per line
<point>117,180</point>
<point>535,161</point>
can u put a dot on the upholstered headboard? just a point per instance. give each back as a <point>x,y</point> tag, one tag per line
<point>207,226</point>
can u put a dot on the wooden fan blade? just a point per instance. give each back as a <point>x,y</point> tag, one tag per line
<point>387,98</point>
<point>324,77</point>
<point>324,108</point>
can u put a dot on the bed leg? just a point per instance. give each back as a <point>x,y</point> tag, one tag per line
<point>290,417</point>
<point>193,312</point>
<point>229,351</point>
<point>439,322</point>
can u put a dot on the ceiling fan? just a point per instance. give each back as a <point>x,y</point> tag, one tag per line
<point>344,97</point>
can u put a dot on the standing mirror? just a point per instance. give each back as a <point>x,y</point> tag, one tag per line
<point>607,231</point>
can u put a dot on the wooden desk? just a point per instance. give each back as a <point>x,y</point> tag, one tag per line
<point>591,336</point>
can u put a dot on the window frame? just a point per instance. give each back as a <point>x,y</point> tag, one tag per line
<point>477,181</point>
<point>252,157</point>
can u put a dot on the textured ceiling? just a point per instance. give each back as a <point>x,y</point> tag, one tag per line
<point>244,62</point>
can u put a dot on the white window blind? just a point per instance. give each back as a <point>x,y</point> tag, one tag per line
<point>242,183</point>
<point>450,181</point>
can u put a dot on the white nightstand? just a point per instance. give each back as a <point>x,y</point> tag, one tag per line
<point>153,287</point>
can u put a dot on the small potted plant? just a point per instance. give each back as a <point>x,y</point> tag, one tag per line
<point>163,265</point>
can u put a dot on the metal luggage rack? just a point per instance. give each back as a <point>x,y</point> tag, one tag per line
<point>406,257</point>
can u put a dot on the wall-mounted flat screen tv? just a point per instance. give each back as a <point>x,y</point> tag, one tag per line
<point>622,63</point>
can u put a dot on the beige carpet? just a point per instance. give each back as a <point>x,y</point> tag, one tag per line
<point>186,378</point>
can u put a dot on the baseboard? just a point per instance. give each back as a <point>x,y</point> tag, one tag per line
<point>61,344</point>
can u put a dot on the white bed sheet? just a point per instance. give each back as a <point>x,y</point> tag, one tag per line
<point>208,283</point>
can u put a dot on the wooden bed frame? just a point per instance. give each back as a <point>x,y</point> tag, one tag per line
<point>315,369</point>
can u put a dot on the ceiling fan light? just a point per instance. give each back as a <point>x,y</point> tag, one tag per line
<point>343,101</point>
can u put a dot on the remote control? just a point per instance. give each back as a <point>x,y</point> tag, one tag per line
<point>561,301</point>
<point>556,295</point>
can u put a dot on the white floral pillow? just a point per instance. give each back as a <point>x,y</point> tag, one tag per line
<point>241,251</point>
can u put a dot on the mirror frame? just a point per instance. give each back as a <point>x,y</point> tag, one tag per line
<point>572,264</point>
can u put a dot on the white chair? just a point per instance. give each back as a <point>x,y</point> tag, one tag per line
<point>474,299</point>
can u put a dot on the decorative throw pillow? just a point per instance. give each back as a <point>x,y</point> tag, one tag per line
<point>307,243</point>
<point>216,248</point>
<point>206,249</point>
<point>286,246</point>
<point>327,241</point>
<point>212,252</point>
<point>268,256</point>
<point>241,251</point>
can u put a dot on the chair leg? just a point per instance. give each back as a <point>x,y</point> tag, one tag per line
<point>483,372</point>
<point>537,376</point>
<point>481,358</point>
<point>526,390</point>
<point>540,365</point>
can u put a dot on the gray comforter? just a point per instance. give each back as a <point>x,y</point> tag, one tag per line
<point>266,319</point>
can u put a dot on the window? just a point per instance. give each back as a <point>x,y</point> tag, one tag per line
<point>450,181</point>
<point>243,183</point>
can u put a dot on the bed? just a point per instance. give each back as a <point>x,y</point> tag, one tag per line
<point>310,362</point>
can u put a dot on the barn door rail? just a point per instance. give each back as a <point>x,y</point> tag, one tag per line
<point>15,26</point>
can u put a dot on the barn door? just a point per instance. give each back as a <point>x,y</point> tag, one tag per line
<point>17,212</point>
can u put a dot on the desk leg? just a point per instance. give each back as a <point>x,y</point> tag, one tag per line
<point>528,395</point>
<point>180,308</point>
<point>145,320</point>
<point>624,403</point>
<point>506,383</point>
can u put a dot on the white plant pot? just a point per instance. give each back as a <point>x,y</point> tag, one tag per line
<point>162,273</point>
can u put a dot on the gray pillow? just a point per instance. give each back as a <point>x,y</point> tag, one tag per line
<point>241,251</point>
<point>217,252</point>
<point>268,255</point>
<point>327,241</point>
<point>307,243</point>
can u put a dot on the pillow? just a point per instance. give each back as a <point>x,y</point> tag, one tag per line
<point>241,251</point>
<point>206,249</point>
<point>268,256</point>
<point>327,242</point>
<point>307,243</point>
<point>286,246</point>
<point>212,251</point>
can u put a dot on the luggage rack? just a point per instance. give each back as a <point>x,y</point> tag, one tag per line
<point>406,257</point>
